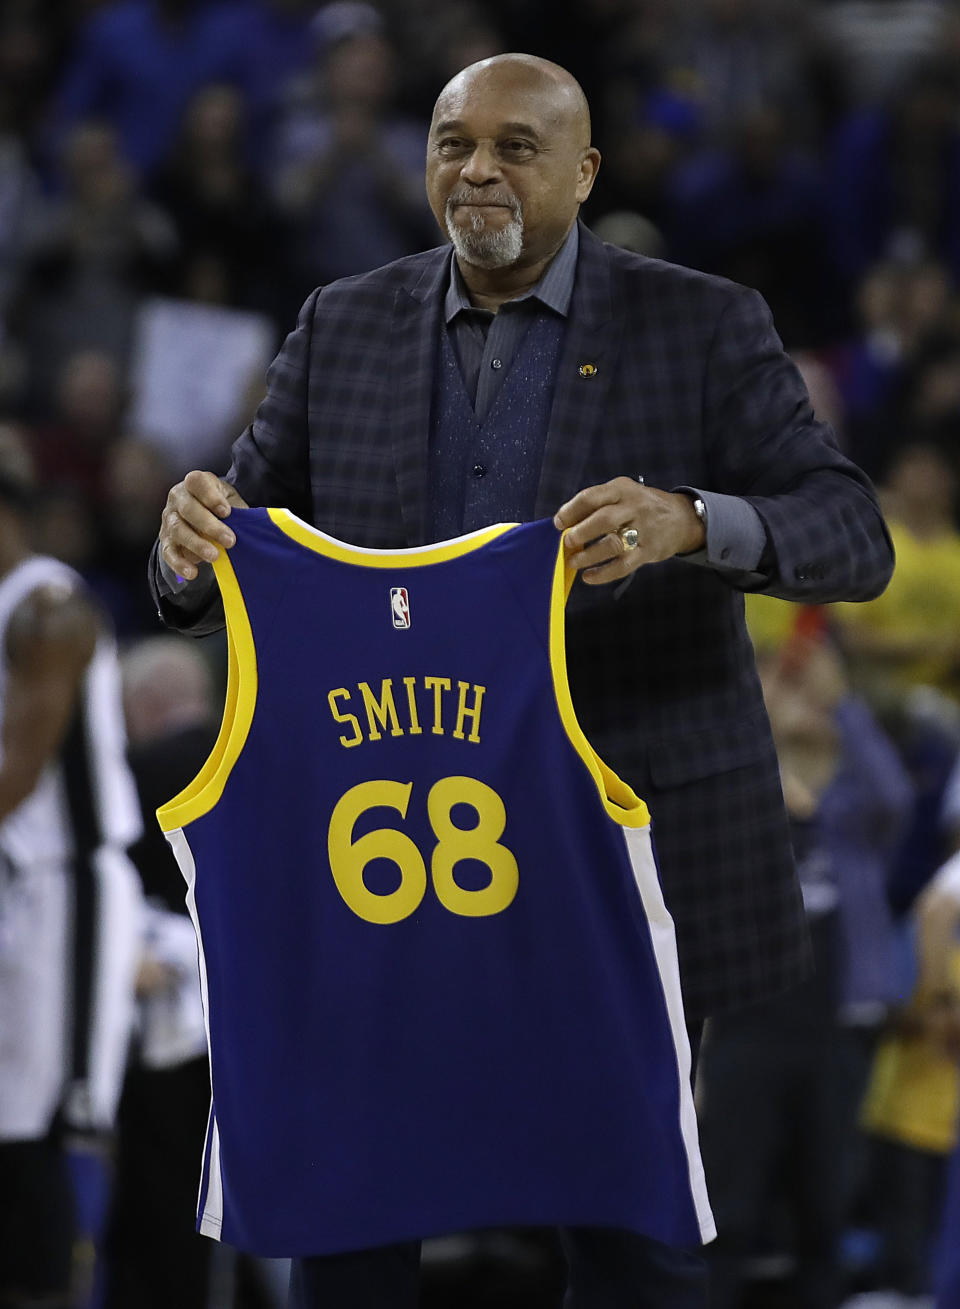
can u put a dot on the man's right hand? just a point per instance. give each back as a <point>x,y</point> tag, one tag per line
<point>191,528</point>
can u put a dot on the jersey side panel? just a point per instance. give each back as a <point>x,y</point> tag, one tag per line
<point>210,1200</point>
<point>664,941</point>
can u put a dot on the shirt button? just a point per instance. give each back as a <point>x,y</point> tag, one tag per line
<point>496,363</point>
<point>478,470</point>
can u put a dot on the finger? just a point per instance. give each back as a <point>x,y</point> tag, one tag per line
<point>607,548</point>
<point>183,562</point>
<point>614,570</point>
<point>180,535</point>
<point>185,508</point>
<point>210,490</point>
<point>604,522</point>
<point>588,501</point>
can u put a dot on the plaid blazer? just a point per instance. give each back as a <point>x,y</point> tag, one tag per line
<point>691,388</point>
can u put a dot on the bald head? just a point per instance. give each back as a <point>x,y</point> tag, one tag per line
<point>509,162</point>
<point>516,77</point>
<point>166,686</point>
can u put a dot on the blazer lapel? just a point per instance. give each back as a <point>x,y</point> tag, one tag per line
<point>416,319</point>
<point>583,378</point>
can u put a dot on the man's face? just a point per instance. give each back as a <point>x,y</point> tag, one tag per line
<point>508,165</point>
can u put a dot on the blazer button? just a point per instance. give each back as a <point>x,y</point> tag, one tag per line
<point>801,574</point>
<point>478,470</point>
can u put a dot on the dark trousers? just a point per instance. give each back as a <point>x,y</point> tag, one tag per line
<point>37,1222</point>
<point>780,1088</point>
<point>607,1269</point>
<point>155,1257</point>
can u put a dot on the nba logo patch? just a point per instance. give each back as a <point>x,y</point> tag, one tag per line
<point>400,606</point>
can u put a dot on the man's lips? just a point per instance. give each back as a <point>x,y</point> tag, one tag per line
<point>480,204</point>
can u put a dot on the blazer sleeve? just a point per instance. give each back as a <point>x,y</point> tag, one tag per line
<point>826,536</point>
<point>270,466</point>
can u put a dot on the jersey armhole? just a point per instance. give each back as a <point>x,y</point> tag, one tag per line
<point>200,795</point>
<point>619,799</point>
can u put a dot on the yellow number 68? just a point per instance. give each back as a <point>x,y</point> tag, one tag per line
<point>348,858</point>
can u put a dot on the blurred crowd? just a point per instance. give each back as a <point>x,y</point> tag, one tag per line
<point>177,175</point>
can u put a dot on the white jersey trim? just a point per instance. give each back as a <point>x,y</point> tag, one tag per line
<point>211,1216</point>
<point>664,939</point>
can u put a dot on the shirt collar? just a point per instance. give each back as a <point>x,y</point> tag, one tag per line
<point>555,288</point>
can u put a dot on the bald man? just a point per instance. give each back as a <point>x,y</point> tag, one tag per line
<point>525,370</point>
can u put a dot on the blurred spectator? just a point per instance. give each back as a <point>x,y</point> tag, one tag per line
<point>192,371</point>
<point>70,905</point>
<point>96,252</point>
<point>754,212</point>
<point>875,45</point>
<point>275,48</point>
<point>216,204</point>
<point>950,811</point>
<point>630,231</point>
<point>938,917</point>
<point>894,178</point>
<point>138,62</point>
<point>901,307</point>
<point>434,40</point>
<point>911,634</point>
<point>780,1082</point>
<point>744,56</point>
<point>924,724</point>
<point>88,401</point>
<point>106,547</point>
<point>911,1110</point>
<point>135,485</point>
<point>620,51</point>
<point>168,693</point>
<point>826,399</point>
<point>19,204</point>
<point>27,47</point>
<point>931,399</point>
<point>655,134</point>
<point>63,525</point>
<point>470,36</point>
<point>349,173</point>
<point>155,1257</point>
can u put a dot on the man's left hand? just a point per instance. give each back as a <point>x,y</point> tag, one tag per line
<point>595,519</point>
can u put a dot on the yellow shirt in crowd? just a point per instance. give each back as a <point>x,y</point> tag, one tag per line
<point>922,601</point>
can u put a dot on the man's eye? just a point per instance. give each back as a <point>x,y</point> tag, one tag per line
<point>451,145</point>
<point>515,148</point>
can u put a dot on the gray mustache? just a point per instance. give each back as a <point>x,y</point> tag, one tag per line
<point>484,198</point>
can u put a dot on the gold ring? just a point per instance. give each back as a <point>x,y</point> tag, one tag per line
<point>629,536</point>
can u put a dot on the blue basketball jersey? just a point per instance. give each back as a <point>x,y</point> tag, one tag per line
<point>440,981</point>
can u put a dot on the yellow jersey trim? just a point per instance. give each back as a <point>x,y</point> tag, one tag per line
<point>410,557</point>
<point>619,800</point>
<point>200,795</point>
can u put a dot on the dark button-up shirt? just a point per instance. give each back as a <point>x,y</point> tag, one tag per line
<point>485,342</point>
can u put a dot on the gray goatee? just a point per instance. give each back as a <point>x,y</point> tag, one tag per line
<point>482,247</point>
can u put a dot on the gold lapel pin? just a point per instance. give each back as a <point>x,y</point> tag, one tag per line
<point>588,370</point>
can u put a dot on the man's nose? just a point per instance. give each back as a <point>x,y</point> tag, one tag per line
<point>482,165</point>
